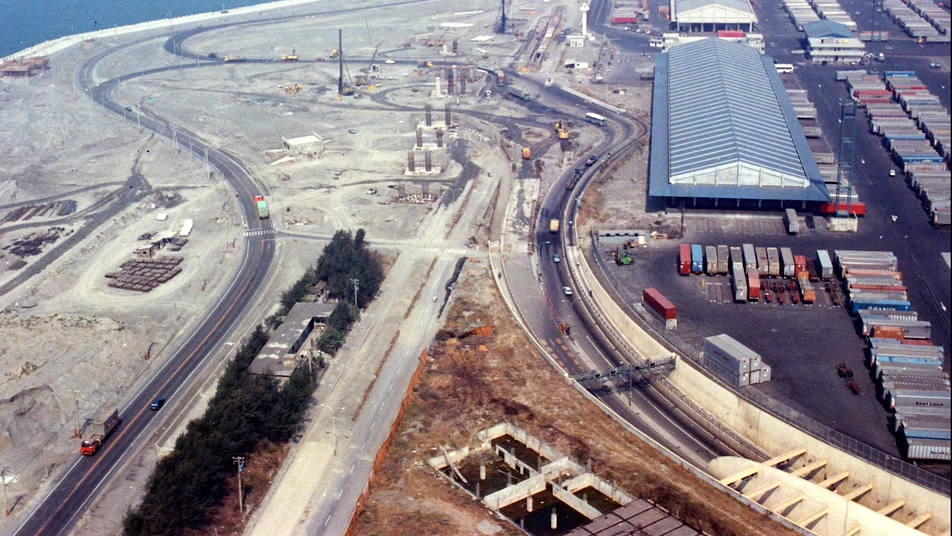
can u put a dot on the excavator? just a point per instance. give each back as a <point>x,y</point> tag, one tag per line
<point>561,130</point>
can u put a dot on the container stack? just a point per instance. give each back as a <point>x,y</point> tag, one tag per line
<point>904,361</point>
<point>800,12</point>
<point>733,362</point>
<point>915,26</point>
<point>916,130</point>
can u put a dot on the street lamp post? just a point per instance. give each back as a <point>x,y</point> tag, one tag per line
<point>356,283</point>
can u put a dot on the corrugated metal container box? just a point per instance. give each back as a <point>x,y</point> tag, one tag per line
<point>753,284</point>
<point>754,377</point>
<point>826,266</point>
<point>923,426</point>
<point>773,262</point>
<point>697,259</point>
<point>711,253</point>
<point>883,370</point>
<point>912,329</point>
<point>911,399</point>
<point>765,373</point>
<point>737,255</point>
<point>750,258</point>
<point>739,281</point>
<point>928,449</point>
<point>685,259</point>
<point>925,384</point>
<point>859,304</point>
<point>762,263</point>
<point>789,265</point>
<point>660,304</point>
<point>730,353</point>
<point>723,259</point>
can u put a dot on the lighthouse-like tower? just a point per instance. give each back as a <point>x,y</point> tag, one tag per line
<point>584,9</point>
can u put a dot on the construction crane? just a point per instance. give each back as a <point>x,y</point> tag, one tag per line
<point>341,88</point>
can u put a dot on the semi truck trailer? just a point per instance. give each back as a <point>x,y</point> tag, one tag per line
<point>101,427</point>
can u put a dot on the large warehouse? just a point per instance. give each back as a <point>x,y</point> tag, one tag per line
<point>723,131</point>
<point>712,15</point>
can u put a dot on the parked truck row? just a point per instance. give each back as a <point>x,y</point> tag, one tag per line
<point>752,268</point>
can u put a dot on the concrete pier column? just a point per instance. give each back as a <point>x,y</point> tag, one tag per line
<point>554,521</point>
<point>482,471</point>
<point>529,503</point>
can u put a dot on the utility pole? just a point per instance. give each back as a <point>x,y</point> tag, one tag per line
<point>356,283</point>
<point>3,477</point>
<point>240,462</point>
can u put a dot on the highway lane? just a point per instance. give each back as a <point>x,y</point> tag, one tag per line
<point>58,511</point>
<point>585,349</point>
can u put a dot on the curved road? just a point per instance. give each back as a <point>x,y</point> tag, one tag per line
<point>59,510</point>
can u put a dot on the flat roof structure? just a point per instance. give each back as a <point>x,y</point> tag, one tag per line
<point>828,28</point>
<point>712,15</point>
<point>723,128</point>
<point>280,355</point>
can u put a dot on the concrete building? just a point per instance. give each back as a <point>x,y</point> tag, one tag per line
<point>286,348</point>
<point>724,133</point>
<point>712,15</point>
<point>312,144</point>
<point>576,41</point>
<point>832,42</point>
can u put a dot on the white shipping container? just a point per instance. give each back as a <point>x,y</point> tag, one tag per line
<point>928,449</point>
<point>186,228</point>
<point>754,377</point>
<point>765,373</point>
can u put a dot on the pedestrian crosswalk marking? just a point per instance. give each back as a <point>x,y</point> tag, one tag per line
<point>259,232</point>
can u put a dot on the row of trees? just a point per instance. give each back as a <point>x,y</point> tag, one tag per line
<point>250,409</point>
<point>246,410</point>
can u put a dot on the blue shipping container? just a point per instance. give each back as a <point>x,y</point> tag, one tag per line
<point>697,258</point>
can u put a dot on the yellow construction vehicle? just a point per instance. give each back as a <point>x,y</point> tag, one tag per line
<point>289,57</point>
<point>292,88</point>
<point>561,130</point>
<point>526,153</point>
<point>334,53</point>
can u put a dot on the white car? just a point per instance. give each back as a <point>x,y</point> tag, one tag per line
<point>567,291</point>
<point>892,172</point>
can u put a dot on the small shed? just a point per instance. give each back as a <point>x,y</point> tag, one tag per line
<point>312,144</point>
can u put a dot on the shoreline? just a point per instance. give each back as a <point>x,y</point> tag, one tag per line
<point>52,46</point>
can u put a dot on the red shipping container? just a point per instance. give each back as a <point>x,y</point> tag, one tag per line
<point>858,209</point>
<point>625,20</point>
<point>685,259</point>
<point>918,342</point>
<point>753,284</point>
<point>800,263</point>
<point>730,34</point>
<point>660,304</point>
<point>879,287</point>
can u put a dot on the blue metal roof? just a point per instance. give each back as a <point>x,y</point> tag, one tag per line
<point>827,28</point>
<point>723,127</point>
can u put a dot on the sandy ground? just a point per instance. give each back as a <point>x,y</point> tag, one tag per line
<point>70,345</point>
<point>471,384</point>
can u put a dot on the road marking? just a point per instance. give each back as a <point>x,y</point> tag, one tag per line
<point>258,232</point>
<point>326,521</point>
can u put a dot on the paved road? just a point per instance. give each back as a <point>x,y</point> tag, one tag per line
<point>59,510</point>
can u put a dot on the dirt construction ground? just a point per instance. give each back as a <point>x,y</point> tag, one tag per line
<point>467,387</point>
